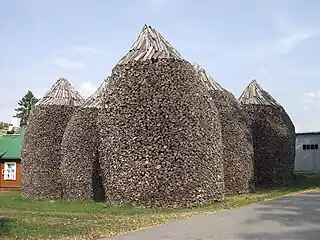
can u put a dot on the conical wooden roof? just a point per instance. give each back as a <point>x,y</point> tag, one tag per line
<point>62,93</point>
<point>254,94</point>
<point>94,101</point>
<point>207,79</point>
<point>150,45</point>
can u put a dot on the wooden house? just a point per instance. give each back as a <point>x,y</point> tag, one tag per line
<point>10,161</point>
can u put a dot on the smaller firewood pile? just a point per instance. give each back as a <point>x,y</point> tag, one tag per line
<point>41,158</point>
<point>236,138</point>
<point>160,134</point>
<point>273,137</point>
<point>80,167</point>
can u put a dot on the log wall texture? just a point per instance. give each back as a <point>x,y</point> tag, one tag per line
<point>236,137</point>
<point>237,142</point>
<point>41,151</point>
<point>41,155</point>
<point>81,180</point>
<point>80,167</point>
<point>274,144</point>
<point>160,136</point>
<point>273,137</point>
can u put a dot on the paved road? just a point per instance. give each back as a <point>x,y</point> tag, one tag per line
<point>294,217</point>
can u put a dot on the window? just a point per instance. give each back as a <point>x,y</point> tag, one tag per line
<point>310,146</point>
<point>9,171</point>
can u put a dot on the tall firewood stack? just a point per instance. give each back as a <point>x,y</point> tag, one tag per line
<point>160,133</point>
<point>41,156</point>
<point>236,137</point>
<point>273,136</point>
<point>80,167</point>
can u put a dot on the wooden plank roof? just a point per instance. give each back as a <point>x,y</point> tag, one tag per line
<point>150,45</point>
<point>254,94</point>
<point>62,93</point>
<point>94,101</point>
<point>207,79</point>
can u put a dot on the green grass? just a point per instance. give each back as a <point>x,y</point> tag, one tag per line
<point>30,219</point>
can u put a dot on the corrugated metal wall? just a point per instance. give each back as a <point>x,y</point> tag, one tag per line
<point>307,153</point>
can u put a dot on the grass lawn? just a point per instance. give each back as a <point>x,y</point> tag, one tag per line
<point>29,219</point>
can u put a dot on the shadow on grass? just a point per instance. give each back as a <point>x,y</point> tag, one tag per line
<point>6,226</point>
<point>300,182</point>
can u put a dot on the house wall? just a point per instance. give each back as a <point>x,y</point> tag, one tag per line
<point>11,184</point>
<point>307,160</point>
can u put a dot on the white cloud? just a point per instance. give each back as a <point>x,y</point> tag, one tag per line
<point>290,35</point>
<point>311,99</point>
<point>85,49</point>
<point>87,88</point>
<point>282,45</point>
<point>67,64</point>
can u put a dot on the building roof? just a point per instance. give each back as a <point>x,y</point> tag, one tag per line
<point>254,94</point>
<point>62,93</point>
<point>94,101</point>
<point>207,79</point>
<point>150,45</point>
<point>10,146</point>
<point>308,133</point>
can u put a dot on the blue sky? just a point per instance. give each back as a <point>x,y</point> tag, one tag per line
<point>275,42</point>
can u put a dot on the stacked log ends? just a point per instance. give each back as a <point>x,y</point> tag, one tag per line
<point>273,137</point>
<point>42,140</point>
<point>80,168</point>
<point>160,134</point>
<point>236,137</point>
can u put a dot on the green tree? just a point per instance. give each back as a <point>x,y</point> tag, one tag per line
<point>4,125</point>
<point>26,105</point>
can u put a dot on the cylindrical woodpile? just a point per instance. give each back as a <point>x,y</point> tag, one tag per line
<point>236,138</point>
<point>273,136</point>
<point>237,144</point>
<point>80,167</point>
<point>161,137</point>
<point>42,140</point>
<point>160,133</point>
<point>41,151</point>
<point>79,152</point>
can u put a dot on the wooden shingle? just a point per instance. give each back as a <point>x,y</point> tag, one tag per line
<point>150,45</point>
<point>254,94</point>
<point>62,93</point>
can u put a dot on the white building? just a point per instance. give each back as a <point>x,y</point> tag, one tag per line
<point>307,152</point>
<point>15,122</point>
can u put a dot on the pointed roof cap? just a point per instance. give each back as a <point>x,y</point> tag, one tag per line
<point>62,93</point>
<point>254,94</point>
<point>207,79</point>
<point>94,101</point>
<point>150,45</point>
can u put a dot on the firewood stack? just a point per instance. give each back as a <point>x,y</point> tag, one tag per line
<point>42,140</point>
<point>80,168</point>
<point>273,137</point>
<point>236,138</point>
<point>160,133</point>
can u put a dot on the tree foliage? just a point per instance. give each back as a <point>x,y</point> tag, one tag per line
<point>26,105</point>
<point>4,125</point>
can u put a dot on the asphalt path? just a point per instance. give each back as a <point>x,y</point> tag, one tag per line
<point>288,218</point>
